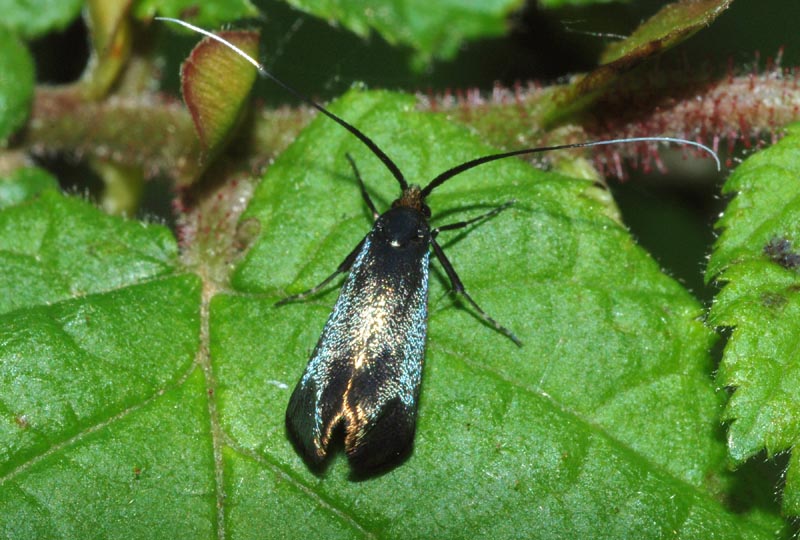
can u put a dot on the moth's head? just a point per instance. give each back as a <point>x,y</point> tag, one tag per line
<point>403,228</point>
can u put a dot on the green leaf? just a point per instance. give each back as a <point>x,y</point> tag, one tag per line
<point>433,29</point>
<point>757,258</point>
<point>53,248</point>
<point>16,84</point>
<point>34,18</point>
<point>209,13</point>
<point>604,419</point>
<point>140,400</point>
<point>104,428</point>
<point>23,184</point>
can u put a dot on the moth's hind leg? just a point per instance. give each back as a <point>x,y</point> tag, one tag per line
<point>345,266</point>
<point>348,261</point>
<point>458,286</point>
<point>363,187</point>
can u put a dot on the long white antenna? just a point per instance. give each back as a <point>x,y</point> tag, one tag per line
<point>215,37</point>
<point>369,143</point>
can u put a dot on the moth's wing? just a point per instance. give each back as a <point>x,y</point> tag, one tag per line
<point>384,436</point>
<point>366,369</point>
<point>315,406</point>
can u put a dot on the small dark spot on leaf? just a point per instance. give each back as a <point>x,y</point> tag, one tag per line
<point>190,12</point>
<point>779,250</point>
<point>246,232</point>
<point>773,300</point>
<point>137,473</point>
<point>22,421</point>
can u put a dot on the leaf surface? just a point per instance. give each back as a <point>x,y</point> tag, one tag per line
<point>16,84</point>
<point>433,29</point>
<point>34,18</point>
<point>609,396</point>
<point>758,260</point>
<point>141,399</point>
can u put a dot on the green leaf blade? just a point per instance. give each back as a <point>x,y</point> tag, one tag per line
<point>583,431</point>
<point>60,247</point>
<point>754,259</point>
<point>491,457</point>
<point>673,24</point>
<point>434,30</point>
<point>112,481</point>
<point>46,401</point>
<point>104,423</point>
<point>16,84</point>
<point>24,184</point>
<point>34,18</point>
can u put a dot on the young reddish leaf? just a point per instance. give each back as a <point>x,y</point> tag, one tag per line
<point>215,82</point>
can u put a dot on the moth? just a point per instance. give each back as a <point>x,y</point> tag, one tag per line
<point>364,374</point>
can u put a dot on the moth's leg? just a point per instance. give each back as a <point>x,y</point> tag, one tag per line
<point>364,193</point>
<point>348,261</point>
<point>458,286</point>
<point>462,224</point>
<point>345,266</point>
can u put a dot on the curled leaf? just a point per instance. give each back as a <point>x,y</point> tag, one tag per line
<point>215,82</point>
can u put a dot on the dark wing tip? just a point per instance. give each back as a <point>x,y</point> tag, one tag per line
<point>385,441</point>
<point>301,426</point>
<point>375,443</point>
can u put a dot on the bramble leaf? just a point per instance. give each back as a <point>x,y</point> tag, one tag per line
<point>433,29</point>
<point>610,388</point>
<point>757,257</point>
<point>143,398</point>
<point>215,83</point>
<point>673,24</point>
<point>16,84</point>
<point>34,18</point>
